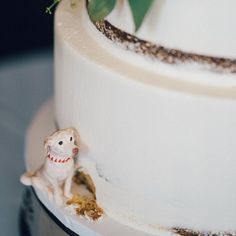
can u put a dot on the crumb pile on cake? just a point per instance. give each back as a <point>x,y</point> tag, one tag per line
<point>86,205</point>
<point>160,145</point>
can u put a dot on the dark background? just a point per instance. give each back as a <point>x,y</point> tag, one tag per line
<point>24,27</point>
<point>26,82</point>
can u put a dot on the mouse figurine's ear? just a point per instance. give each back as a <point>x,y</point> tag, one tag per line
<point>47,144</point>
<point>48,141</point>
<point>76,136</point>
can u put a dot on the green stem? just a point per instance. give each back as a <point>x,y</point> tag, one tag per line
<point>48,9</point>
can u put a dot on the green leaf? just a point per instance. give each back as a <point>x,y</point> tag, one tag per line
<point>99,9</point>
<point>139,9</point>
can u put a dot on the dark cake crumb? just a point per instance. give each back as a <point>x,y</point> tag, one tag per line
<point>187,232</point>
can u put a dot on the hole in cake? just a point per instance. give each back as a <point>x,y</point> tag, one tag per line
<point>82,178</point>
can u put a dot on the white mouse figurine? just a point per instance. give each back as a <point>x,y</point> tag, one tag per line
<point>56,173</point>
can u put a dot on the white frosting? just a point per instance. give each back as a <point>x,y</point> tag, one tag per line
<point>166,147</point>
<point>202,27</point>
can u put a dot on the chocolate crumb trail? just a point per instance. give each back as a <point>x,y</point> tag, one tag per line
<point>187,232</point>
<point>170,56</point>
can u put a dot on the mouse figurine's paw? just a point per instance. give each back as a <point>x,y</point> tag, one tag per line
<point>50,194</point>
<point>68,195</point>
<point>59,200</point>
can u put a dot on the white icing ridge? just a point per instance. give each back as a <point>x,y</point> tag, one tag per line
<point>201,27</point>
<point>166,145</point>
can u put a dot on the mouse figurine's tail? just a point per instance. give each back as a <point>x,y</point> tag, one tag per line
<point>30,179</point>
<point>26,178</point>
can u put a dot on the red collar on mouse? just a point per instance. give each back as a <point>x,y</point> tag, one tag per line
<point>58,160</point>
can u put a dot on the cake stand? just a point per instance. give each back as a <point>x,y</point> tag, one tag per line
<point>38,215</point>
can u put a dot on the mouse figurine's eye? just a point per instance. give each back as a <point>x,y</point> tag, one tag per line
<point>60,142</point>
<point>71,138</point>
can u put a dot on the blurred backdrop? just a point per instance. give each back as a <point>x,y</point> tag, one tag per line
<point>26,82</point>
<point>25,26</point>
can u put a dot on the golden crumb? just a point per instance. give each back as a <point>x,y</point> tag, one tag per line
<point>86,206</point>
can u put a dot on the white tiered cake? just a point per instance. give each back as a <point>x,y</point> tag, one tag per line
<point>158,122</point>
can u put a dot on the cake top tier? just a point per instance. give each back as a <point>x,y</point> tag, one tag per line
<point>203,27</point>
